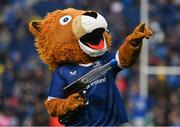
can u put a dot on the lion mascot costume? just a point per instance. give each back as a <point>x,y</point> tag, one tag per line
<point>72,43</point>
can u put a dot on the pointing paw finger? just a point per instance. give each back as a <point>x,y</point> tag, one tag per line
<point>147,33</point>
<point>140,27</point>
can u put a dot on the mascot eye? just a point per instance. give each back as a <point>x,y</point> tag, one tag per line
<point>65,19</point>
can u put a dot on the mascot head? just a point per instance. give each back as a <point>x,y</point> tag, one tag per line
<point>70,36</point>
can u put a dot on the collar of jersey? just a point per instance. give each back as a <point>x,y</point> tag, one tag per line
<point>86,65</point>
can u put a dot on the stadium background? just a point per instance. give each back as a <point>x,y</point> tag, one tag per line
<point>24,79</point>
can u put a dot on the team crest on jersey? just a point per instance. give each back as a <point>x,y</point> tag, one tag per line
<point>96,64</point>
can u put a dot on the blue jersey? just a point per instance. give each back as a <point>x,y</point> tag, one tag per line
<point>105,105</point>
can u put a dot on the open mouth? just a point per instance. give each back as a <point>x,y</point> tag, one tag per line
<point>94,40</point>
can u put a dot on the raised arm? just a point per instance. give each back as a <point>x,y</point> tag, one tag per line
<point>130,50</point>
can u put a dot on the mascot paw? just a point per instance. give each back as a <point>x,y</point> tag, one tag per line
<point>57,107</point>
<point>140,32</point>
<point>73,102</point>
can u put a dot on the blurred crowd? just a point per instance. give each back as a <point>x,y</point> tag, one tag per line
<point>24,79</point>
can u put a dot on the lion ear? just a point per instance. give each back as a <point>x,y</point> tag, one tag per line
<point>35,27</point>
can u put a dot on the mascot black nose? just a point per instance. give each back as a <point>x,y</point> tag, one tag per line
<point>91,14</point>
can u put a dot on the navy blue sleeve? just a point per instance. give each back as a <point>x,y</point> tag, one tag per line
<point>57,85</point>
<point>108,56</point>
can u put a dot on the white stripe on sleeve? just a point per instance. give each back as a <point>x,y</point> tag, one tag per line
<point>117,59</point>
<point>49,98</point>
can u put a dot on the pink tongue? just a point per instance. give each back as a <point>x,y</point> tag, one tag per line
<point>97,47</point>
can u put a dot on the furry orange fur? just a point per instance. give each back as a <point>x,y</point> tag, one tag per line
<point>56,44</point>
<point>56,107</point>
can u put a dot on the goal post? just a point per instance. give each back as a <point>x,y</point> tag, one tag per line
<point>143,81</point>
<point>144,69</point>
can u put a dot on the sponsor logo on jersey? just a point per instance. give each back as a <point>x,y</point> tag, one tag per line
<point>96,82</point>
